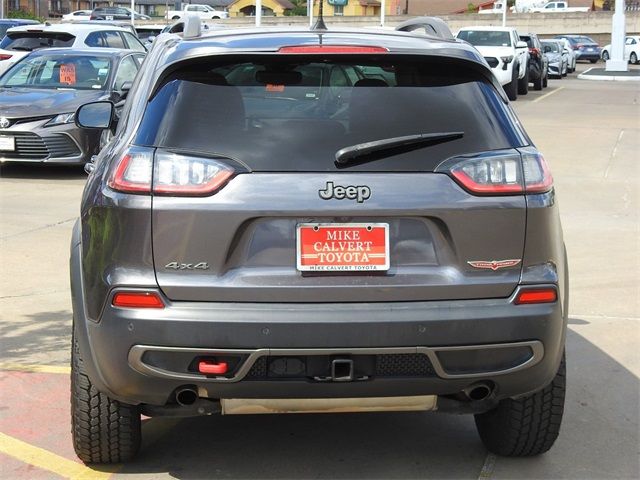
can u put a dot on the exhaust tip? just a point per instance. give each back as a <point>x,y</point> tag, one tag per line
<point>478,392</point>
<point>186,396</point>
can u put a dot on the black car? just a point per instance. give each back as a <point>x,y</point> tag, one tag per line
<point>115,13</point>
<point>40,94</point>
<point>316,221</point>
<point>538,63</point>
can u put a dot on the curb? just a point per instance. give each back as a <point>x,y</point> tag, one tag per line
<point>605,78</point>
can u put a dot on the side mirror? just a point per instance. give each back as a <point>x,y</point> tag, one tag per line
<point>522,44</point>
<point>95,115</point>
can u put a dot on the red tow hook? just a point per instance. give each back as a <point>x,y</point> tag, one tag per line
<point>211,367</point>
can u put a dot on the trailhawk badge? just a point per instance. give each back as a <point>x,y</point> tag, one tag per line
<point>494,264</point>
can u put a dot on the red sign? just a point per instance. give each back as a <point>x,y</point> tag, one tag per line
<point>352,247</point>
<point>68,74</point>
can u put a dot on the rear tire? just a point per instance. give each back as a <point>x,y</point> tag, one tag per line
<point>594,60</point>
<point>605,55</point>
<point>526,426</point>
<point>545,81</point>
<point>633,58</point>
<point>103,430</point>
<point>523,83</point>
<point>511,88</point>
<point>538,82</point>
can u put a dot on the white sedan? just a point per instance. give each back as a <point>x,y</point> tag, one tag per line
<point>631,49</point>
<point>77,16</point>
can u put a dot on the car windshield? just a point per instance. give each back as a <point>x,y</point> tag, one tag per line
<point>284,115</point>
<point>552,47</point>
<point>81,72</point>
<point>485,38</point>
<point>28,41</point>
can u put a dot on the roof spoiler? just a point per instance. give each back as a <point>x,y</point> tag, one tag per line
<point>433,27</point>
<point>192,26</point>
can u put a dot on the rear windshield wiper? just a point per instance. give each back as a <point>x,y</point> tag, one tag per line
<point>378,149</point>
<point>22,49</point>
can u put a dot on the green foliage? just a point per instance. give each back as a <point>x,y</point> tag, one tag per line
<point>300,9</point>
<point>24,14</point>
<point>471,8</point>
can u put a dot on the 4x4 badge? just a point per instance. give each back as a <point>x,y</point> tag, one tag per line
<point>494,264</point>
<point>359,193</point>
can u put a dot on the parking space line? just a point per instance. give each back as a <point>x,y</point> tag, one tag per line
<point>16,367</point>
<point>41,458</point>
<point>487,468</point>
<point>547,95</point>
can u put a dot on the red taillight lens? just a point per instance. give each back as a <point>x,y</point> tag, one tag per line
<point>332,49</point>
<point>490,175</point>
<point>171,174</point>
<point>536,295</point>
<point>133,172</point>
<point>537,177</point>
<point>5,56</point>
<point>579,46</point>
<point>137,300</point>
<point>182,175</point>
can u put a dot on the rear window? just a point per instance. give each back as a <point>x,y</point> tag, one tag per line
<point>282,114</point>
<point>28,41</point>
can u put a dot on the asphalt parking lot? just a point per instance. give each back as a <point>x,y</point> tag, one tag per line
<point>590,134</point>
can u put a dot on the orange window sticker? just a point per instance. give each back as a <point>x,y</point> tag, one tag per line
<point>274,88</point>
<point>68,74</point>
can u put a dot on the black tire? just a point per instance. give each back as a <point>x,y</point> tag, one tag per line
<point>526,426</point>
<point>538,82</point>
<point>511,88</point>
<point>605,55</point>
<point>633,58</point>
<point>545,81</point>
<point>103,430</point>
<point>593,60</point>
<point>523,83</point>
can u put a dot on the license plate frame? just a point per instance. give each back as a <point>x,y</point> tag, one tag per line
<point>367,258</point>
<point>7,143</point>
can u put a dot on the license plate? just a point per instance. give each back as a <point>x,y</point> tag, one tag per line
<point>342,247</point>
<point>7,143</point>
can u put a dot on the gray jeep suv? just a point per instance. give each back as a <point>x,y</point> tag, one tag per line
<point>299,220</point>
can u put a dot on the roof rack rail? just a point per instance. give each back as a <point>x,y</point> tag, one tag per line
<point>433,26</point>
<point>192,26</point>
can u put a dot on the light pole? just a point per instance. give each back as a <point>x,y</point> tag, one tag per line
<point>258,13</point>
<point>617,62</point>
<point>504,13</point>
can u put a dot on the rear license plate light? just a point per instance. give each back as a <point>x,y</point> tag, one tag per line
<point>335,247</point>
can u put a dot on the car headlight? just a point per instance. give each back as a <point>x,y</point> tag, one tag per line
<point>61,119</point>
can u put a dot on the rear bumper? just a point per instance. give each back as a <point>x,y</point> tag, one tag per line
<point>114,347</point>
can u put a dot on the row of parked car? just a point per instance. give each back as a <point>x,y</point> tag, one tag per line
<point>518,60</point>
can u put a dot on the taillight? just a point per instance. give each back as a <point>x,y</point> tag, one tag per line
<point>133,172</point>
<point>579,46</point>
<point>188,176</point>
<point>503,174</point>
<point>5,56</point>
<point>490,175</point>
<point>537,177</point>
<point>332,49</point>
<point>172,174</point>
<point>536,295</point>
<point>137,300</point>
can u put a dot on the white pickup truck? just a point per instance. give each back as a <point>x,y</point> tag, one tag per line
<point>553,7</point>
<point>205,12</point>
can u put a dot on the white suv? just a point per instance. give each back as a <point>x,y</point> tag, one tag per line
<point>505,53</point>
<point>20,41</point>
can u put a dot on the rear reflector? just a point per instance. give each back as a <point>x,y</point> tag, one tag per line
<point>332,49</point>
<point>210,367</point>
<point>137,300</point>
<point>538,295</point>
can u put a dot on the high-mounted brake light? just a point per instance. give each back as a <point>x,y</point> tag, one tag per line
<point>536,295</point>
<point>332,49</point>
<point>137,300</point>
